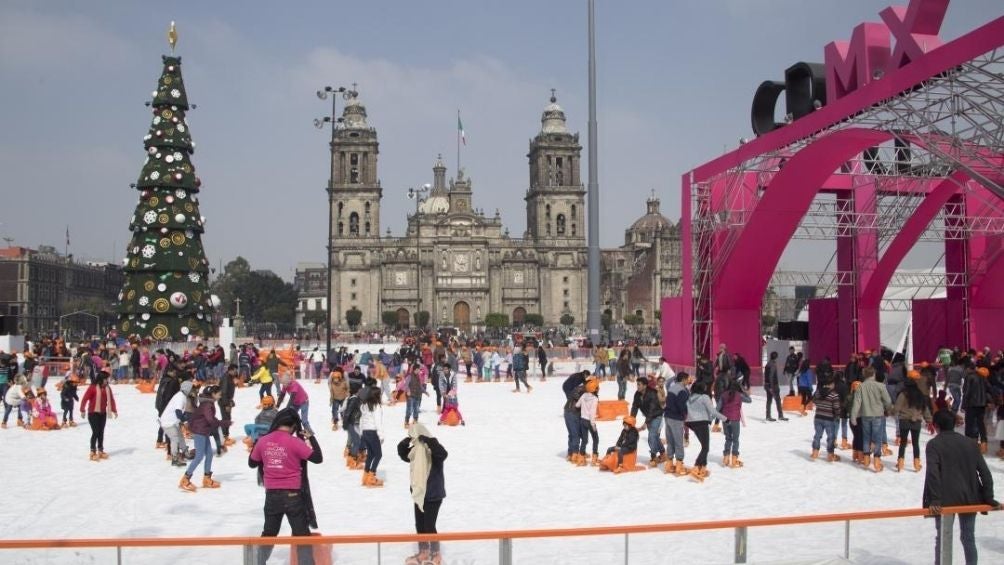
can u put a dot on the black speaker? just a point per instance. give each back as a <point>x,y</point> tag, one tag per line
<point>793,331</point>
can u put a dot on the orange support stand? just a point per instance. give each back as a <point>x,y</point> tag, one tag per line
<point>611,410</point>
<point>794,404</point>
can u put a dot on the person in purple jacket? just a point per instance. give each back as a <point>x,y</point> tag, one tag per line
<point>298,399</point>
<point>203,425</point>
<point>732,409</point>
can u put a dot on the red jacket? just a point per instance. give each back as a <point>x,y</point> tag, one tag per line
<point>89,403</point>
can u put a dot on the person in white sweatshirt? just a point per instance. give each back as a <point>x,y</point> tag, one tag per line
<point>588,404</point>
<point>371,427</point>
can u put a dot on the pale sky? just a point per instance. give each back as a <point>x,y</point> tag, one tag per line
<point>676,78</point>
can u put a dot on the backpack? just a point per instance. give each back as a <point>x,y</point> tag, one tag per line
<point>352,411</point>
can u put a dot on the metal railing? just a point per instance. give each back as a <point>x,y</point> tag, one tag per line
<point>505,538</point>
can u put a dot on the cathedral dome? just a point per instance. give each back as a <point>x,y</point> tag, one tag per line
<point>652,220</point>
<point>553,118</point>
<point>436,204</point>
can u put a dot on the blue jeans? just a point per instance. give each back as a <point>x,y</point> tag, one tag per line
<point>572,425</point>
<point>967,534</point>
<point>674,438</point>
<point>585,431</point>
<point>621,387</point>
<point>353,439</point>
<point>654,426</point>
<point>304,410</point>
<point>956,392</point>
<point>828,426</point>
<point>255,431</point>
<point>336,407</point>
<point>371,441</point>
<point>871,429</point>
<point>731,429</point>
<point>412,404</point>
<point>266,388</point>
<point>843,428</point>
<point>600,369</point>
<point>203,451</point>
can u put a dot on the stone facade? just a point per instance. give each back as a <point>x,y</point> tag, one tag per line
<point>454,261</point>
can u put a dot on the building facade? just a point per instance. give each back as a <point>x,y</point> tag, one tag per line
<point>455,262</point>
<point>38,286</point>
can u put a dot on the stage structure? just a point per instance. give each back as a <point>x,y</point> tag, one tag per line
<point>897,138</point>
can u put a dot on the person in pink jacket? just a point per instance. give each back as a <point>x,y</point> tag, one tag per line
<point>588,405</point>
<point>298,399</point>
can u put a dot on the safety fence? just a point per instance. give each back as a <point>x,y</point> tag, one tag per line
<point>608,544</point>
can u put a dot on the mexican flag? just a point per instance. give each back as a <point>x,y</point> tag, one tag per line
<point>460,129</point>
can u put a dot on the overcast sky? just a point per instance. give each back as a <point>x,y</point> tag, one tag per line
<point>676,78</point>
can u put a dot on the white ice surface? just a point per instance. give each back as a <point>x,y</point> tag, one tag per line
<point>506,470</point>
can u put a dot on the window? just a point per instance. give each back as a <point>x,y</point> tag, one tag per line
<point>565,292</point>
<point>547,229</point>
<point>564,279</point>
<point>367,209</point>
<point>573,229</point>
<point>341,207</point>
<point>566,304</point>
<point>574,215</point>
<point>352,282</point>
<point>352,296</point>
<point>561,224</point>
<point>341,228</point>
<point>367,228</point>
<point>560,176</point>
<point>354,168</point>
<point>353,224</point>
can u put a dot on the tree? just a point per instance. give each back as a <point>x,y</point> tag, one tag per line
<point>166,291</point>
<point>535,320</point>
<point>421,318</point>
<point>264,296</point>
<point>567,319</point>
<point>634,319</point>
<point>353,317</point>
<point>317,317</point>
<point>496,320</point>
<point>389,318</point>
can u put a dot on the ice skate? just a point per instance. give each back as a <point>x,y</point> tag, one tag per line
<point>102,454</point>
<point>814,455</point>
<point>916,465</point>
<point>208,482</point>
<point>186,484</point>
<point>371,481</point>
<point>595,461</point>
<point>716,427</point>
<point>899,464</point>
<point>885,450</point>
<point>844,445</point>
<point>832,457</point>
<point>94,456</point>
<point>878,466</point>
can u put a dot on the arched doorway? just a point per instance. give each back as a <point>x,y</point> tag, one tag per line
<point>518,316</point>
<point>403,318</point>
<point>462,316</point>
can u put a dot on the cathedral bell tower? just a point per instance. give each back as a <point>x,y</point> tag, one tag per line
<point>356,191</point>
<point>555,206</point>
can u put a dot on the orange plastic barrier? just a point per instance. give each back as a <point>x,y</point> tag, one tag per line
<point>794,403</point>
<point>611,409</point>
<point>145,387</point>
<point>630,463</point>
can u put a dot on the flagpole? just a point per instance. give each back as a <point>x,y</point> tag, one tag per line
<point>459,133</point>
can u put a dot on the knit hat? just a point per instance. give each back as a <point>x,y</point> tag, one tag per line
<point>267,401</point>
<point>915,375</point>
<point>40,391</point>
<point>855,385</point>
<point>592,385</point>
<point>629,420</point>
<point>983,372</point>
<point>186,388</point>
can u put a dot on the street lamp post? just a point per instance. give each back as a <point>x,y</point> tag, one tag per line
<point>333,119</point>
<point>415,194</point>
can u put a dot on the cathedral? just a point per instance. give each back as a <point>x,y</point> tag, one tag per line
<point>460,265</point>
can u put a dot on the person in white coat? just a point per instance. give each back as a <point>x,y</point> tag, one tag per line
<point>371,427</point>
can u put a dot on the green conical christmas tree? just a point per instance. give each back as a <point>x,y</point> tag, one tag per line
<point>166,292</point>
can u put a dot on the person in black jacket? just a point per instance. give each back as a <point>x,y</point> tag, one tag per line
<point>627,443</point>
<point>168,387</point>
<point>791,363</point>
<point>957,475</point>
<point>646,400</point>
<point>228,384</point>
<point>425,455</point>
<point>772,386</point>
<point>573,387</point>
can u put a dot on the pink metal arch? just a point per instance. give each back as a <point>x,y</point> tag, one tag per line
<point>752,261</point>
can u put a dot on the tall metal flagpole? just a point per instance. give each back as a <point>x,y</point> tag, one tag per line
<point>459,133</point>
<point>593,194</point>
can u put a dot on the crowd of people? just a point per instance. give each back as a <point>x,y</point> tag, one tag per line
<point>195,397</point>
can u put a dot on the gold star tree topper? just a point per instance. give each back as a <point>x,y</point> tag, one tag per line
<point>172,36</point>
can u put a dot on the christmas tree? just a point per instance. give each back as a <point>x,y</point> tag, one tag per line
<point>166,291</point>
